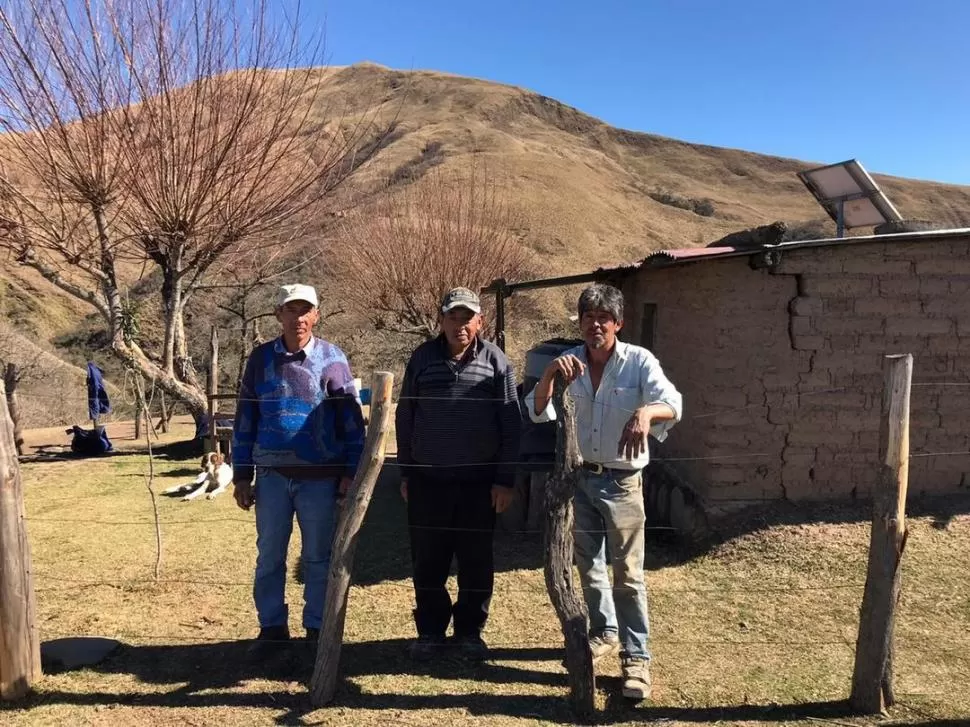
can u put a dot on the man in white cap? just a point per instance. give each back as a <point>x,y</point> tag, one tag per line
<point>299,433</point>
<point>457,423</point>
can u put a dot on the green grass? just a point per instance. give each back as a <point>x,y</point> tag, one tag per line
<point>758,630</point>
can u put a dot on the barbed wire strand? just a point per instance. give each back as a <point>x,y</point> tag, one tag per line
<point>78,583</point>
<point>481,400</point>
<point>537,589</point>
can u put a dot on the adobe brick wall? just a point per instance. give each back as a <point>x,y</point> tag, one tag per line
<point>782,370</point>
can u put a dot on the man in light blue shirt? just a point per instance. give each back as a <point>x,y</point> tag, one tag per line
<point>621,396</point>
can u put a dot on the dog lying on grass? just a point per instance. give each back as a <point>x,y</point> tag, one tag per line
<point>215,477</point>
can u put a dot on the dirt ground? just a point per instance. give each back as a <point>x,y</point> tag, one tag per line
<point>756,630</point>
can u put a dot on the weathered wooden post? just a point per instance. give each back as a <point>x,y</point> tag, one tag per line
<point>19,643</point>
<point>213,390</point>
<point>11,380</point>
<point>139,405</point>
<point>872,679</point>
<point>163,422</point>
<point>323,684</point>
<point>558,538</point>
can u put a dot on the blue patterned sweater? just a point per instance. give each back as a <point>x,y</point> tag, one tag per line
<point>298,413</point>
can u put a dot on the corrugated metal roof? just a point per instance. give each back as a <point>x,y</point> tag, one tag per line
<point>690,253</point>
<point>664,258</point>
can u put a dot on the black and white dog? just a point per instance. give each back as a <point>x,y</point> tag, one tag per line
<point>215,477</point>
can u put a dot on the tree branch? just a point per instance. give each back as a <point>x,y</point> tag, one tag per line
<point>52,275</point>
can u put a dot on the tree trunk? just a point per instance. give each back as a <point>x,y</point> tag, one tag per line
<point>184,369</point>
<point>558,536</point>
<point>11,379</point>
<point>19,643</point>
<point>192,396</point>
<point>171,308</point>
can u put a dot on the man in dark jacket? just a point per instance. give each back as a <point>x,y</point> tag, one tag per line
<point>458,423</point>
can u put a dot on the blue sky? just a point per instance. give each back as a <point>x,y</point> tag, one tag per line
<point>821,80</point>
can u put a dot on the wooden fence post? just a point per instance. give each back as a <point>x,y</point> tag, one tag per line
<point>139,404</point>
<point>558,537</point>
<point>163,422</point>
<point>872,679</point>
<point>19,643</point>
<point>323,684</point>
<point>213,390</point>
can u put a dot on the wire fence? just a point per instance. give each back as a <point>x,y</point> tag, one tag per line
<point>51,582</point>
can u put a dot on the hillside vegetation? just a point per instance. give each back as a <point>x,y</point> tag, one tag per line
<point>586,194</point>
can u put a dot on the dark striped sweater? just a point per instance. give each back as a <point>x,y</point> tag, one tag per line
<point>459,413</point>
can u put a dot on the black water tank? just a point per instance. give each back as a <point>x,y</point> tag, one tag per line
<point>539,440</point>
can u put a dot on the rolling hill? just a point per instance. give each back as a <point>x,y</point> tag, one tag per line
<point>587,193</point>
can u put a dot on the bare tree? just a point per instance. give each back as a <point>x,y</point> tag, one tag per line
<point>413,245</point>
<point>252,283</point>
<point>174,135</point>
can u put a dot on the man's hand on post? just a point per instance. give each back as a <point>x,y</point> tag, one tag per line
<point>569,366</point>
<point>502,497</point>
<point>571,369</point>
<point>242,492</point>
<point>633,441</point>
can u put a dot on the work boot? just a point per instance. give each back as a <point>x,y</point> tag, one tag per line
<point>312,638</point>
<point>270,641</point>
<point>471,647</point>
<point>427,647</point>
<point>603,645</point>
<point>636,677</point>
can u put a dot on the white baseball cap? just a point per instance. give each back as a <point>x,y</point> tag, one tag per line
<point>297,292</point>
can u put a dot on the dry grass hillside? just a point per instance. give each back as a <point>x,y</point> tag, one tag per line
<point>587,193</point>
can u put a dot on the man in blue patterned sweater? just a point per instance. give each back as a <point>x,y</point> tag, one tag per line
<point>300,433</point>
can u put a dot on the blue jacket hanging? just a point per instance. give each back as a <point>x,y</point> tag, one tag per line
<point>98,402</point>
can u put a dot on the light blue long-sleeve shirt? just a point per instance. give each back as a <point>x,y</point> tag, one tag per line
<point>632,378</point>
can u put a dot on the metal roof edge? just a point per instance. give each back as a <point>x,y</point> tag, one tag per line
<point>663,258</point>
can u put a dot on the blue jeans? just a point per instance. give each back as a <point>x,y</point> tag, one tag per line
<point>609,517</point>
<point>277,499</point>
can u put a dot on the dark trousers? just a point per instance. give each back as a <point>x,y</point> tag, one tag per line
<point>451,518</point>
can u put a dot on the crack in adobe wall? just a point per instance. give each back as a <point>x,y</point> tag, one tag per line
<point>799,293</point>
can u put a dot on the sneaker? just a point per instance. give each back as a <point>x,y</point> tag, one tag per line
<point>471,647</point>
<point>270,639</point>
<point>603,645</point>
<point>426,647</point>
<point>636,677</point>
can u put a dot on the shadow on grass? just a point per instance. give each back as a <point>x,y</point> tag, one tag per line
<point>189,449</point>
<point>198,671</point>
<point>201,675</point>
<point>383,550</point>
<point>63,453</point>
<point>192,472</point>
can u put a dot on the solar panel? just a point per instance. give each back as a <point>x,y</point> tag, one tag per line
<point>850,195</point>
